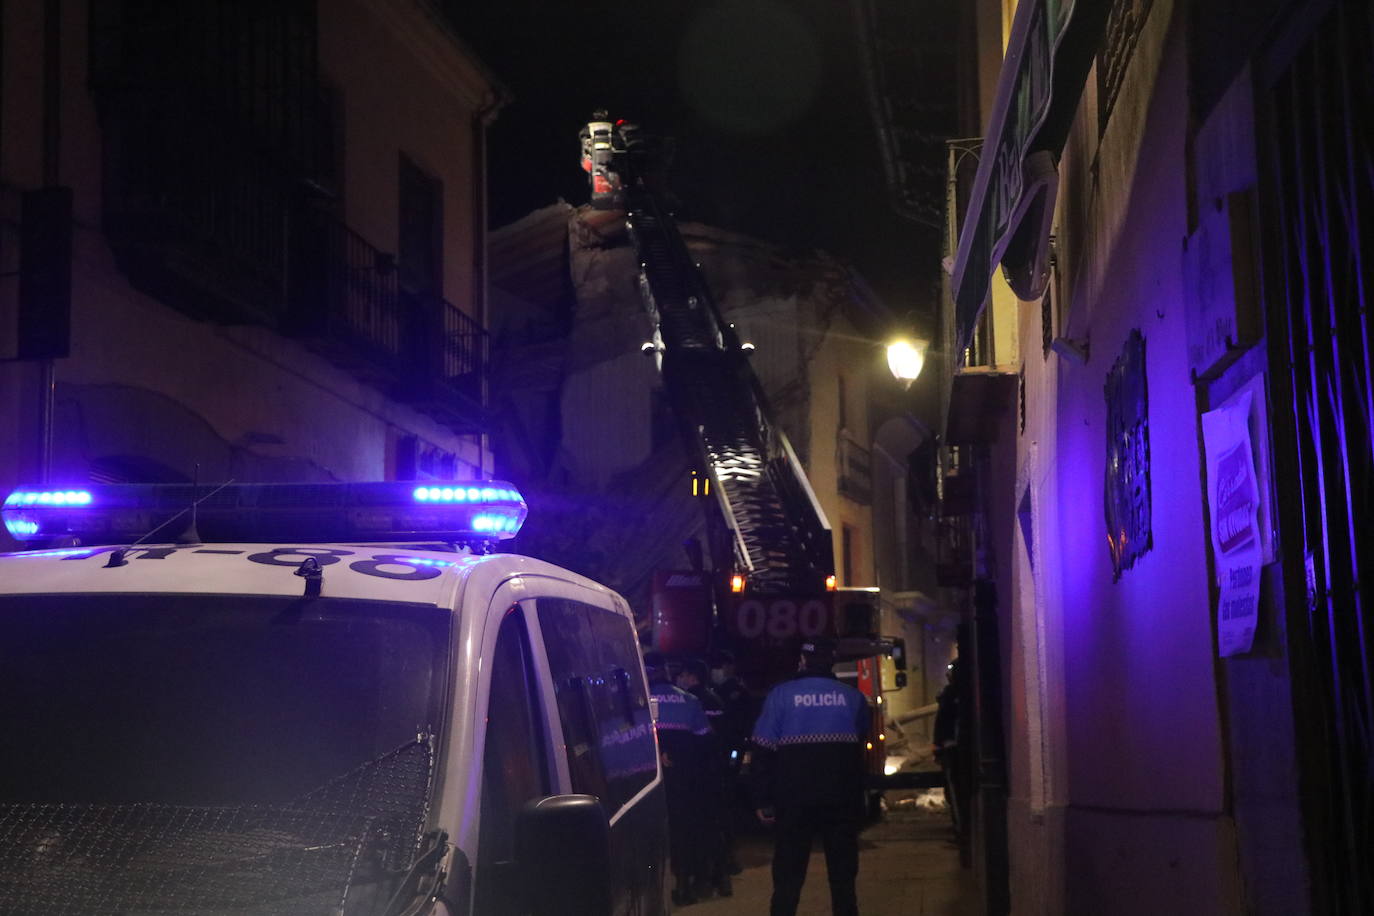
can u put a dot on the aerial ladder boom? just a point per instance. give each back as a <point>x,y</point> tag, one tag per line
<point>766,523</point>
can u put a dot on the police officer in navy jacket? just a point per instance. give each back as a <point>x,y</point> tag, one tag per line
<point>684,742</point>
<point>810,778</point>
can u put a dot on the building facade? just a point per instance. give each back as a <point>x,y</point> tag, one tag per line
<point>1157,313</point>
<point>582,406</point>
<point>241,241</point>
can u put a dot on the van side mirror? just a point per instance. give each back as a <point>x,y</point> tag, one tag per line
<point>563,856</point>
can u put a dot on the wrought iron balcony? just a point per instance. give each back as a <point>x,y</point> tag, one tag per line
<point>215,177</point>
<point>954,552</point>
<point>345,301</point>
<point>448,355</point>
<point>222,239</point>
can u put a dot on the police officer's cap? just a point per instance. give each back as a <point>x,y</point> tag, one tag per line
<point>819,652</point>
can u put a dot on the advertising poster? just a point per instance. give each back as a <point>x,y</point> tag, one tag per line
<point>1233,496</point>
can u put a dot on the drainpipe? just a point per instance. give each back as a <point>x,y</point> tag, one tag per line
<point>482,119</point>
<point>52,152</point>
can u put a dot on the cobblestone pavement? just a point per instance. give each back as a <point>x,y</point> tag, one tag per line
<point>908,866</point>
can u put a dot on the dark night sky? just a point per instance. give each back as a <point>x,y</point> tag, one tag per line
<point>765,99</point>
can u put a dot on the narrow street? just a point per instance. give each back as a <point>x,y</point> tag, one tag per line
<point>908,866</point>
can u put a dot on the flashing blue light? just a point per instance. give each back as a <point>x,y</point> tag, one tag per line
<point>269,513</point>
<point>495,523</point>
<point>21,527</point>
<point>464,494</point>
<point>49,498</point>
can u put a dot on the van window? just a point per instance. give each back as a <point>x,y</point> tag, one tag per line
<point>247,751</point>
<point>209,699</point>
<point>514,762</point>
<point>595,658</point>
<point>629,754</point>
<point>570,645</point>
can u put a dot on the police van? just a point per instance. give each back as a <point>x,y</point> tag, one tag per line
<point>319,698</point>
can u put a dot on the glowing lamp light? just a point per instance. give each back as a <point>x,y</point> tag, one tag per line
<point>830,583</point>
<point>906,359</point>
<point>737,583</point>
<point>868,745</point>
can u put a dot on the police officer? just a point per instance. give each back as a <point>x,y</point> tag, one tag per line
<point>734,698</point>
<point>949,751</point>
<point>684,745</point>
<point>810,739</point>
<point>715,855</point>
<point>733,727</point>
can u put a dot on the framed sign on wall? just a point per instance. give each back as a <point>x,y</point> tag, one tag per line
<point>1127,478</point>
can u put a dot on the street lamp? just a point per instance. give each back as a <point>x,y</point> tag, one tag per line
<point>906,358</point>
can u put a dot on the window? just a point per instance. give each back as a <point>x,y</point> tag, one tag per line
<point>568,641</point>
<point>1125,22</point>
<point>421,233</point>
<point>514,762</point>
<point>328,166</point>
<point>621,708</point>
<point>602,703</point>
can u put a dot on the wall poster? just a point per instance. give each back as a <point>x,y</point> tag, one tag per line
<point>1234,502</point>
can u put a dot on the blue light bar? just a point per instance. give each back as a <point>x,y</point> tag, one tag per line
<point>451,511</point>
<point>49,498</point>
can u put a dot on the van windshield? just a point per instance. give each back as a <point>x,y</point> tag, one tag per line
<point>195,738</point>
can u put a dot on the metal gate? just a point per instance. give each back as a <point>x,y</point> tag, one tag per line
<point>1318,170</point>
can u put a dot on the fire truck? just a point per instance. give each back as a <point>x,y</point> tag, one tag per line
<point>767,576</point>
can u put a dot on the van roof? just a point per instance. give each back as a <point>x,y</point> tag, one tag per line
<point>375,572</point>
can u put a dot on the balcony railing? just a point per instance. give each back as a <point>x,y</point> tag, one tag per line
<point>222,239</point>
<point>449,349</point>
<point>347,302</point>
<point>954,552</point>
<point>344,297</point>
<point>465,351</point>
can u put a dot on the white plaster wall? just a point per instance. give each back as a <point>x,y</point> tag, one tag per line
<point>1133,818</point>
<point>248,383</point>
